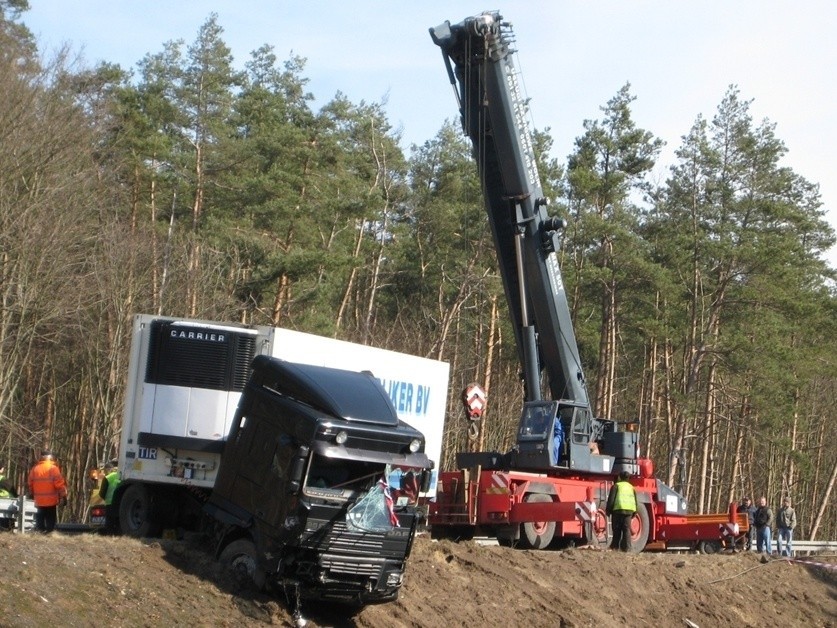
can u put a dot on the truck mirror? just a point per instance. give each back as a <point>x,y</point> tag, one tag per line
<point>426,477</point>
<point>298,469</point>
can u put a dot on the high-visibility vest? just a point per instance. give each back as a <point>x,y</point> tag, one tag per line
<point>46,484</point>
<point>625,497</point>
<point>113,482</point>
<point>3,492</point>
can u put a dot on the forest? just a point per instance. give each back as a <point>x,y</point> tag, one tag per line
<point>188,186</point>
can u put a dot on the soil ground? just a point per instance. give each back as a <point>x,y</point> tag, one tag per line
<point>87,580</point>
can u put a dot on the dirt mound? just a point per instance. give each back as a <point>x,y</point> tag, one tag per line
<point>86,580</point>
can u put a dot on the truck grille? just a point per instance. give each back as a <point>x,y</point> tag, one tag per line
<point>337,538</point>
<point>336,566</point>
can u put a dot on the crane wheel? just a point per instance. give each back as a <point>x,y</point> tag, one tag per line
<point>640,529</point>
<point>600,530</point>
<point>537,534</point>
<point>710,547</point>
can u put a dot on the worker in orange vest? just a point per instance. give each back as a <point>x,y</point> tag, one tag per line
<point>48,489</point>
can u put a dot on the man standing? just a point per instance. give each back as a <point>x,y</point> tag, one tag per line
<point>108,489</point>
<point>7,489</point>
<point>785,522</point>
<point>764,524</point>
<point>747,506</point>
<point>48,489</point>
<point>621,506</point>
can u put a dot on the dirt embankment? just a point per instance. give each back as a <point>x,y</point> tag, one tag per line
<point>87,580</point>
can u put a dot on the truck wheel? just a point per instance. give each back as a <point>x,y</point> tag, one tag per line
<point>135,512</point>
<point>640,528</point>
<point>537,534</point>
<point>240,557</point>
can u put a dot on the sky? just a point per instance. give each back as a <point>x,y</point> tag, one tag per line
<point>680,58</point>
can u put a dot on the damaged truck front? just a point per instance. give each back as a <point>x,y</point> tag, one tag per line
<point>317,489</point>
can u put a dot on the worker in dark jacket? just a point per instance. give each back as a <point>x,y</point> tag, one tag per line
<point>764,526</point>
<point>621,506</point>
<point>48,489</point>
<point>785,523</point>
<point>107,491</point>
<point>747,506</point>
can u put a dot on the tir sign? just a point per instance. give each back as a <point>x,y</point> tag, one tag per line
<point>474,399</point>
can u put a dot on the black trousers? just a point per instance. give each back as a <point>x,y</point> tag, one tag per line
<point>111,519</point>
<point>620,521</point>
<point>45,518</point>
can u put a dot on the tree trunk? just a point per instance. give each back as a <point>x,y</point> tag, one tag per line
<point>815,525</point>
<point>344,302</point>
<point>607,352</point>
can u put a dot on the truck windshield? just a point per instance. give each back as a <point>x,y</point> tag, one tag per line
<point>343,477</point>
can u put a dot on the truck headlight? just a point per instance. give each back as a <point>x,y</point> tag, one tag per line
<point>415,445</point>
<point>341,437</point>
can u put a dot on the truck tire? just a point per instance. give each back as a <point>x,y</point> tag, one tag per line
<point>240,557</point>
<point>537,534</point>
<point>136,512</point>
<point>640,528</point>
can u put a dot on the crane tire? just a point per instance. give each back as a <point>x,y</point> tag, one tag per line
<point>640,529</point>
<point>537,534</point>
<point>710,547</point>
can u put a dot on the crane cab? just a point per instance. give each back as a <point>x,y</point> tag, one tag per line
<point>560,435</point>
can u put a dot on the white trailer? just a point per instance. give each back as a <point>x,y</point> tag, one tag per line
<point>185,379</point>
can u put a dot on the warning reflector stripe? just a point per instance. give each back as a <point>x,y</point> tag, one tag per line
<point>499,484</point>
<point>586,511</point>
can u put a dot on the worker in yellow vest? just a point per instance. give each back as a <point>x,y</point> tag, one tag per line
<point>621,506</point>
<point>7,489</point>
<point>107,491</point>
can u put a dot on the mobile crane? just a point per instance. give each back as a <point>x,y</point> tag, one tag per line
<point>552,485</point>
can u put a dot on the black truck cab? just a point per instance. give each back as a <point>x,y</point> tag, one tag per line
<point>318,483</point>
